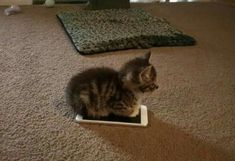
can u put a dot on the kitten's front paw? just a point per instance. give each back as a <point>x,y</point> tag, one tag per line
<point>135,112</point>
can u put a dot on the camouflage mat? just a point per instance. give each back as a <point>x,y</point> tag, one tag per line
<point>117,29</point>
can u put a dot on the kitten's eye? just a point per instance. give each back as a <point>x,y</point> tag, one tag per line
<point>154,86</point>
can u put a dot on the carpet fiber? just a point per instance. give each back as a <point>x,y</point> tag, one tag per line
<point>191,116</point>
<point>116,29</point>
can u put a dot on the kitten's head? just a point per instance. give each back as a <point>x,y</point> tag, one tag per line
<point>139,75</point>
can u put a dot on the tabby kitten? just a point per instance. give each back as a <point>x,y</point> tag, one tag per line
<point>98,92</point>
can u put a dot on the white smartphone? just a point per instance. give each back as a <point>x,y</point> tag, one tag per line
<point>140,120</point>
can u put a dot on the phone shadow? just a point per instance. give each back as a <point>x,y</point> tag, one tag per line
<point>159,141</point>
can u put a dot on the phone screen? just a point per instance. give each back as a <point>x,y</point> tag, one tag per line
<point>116,118</point>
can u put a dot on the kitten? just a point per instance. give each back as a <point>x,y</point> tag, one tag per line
<point>98,92</point>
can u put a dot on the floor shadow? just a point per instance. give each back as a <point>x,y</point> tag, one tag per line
<point>159,142</point>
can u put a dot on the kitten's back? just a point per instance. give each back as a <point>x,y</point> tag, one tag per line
<point>90,86</point>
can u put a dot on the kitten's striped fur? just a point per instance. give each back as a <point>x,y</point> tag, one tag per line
<point>101,91</point>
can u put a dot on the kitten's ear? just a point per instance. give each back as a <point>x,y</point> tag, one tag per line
<point>147,55</point>
<point>145,75</point>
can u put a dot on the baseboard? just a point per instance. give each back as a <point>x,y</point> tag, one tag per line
<point>60,1</point>
<point>17,2</point>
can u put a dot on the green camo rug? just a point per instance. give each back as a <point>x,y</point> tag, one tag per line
<point>116,29</point>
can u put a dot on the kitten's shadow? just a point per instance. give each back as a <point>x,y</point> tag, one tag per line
<point>61,107</point>
<point>158,141</point>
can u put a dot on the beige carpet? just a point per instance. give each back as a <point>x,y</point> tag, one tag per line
<point>192,115</point>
